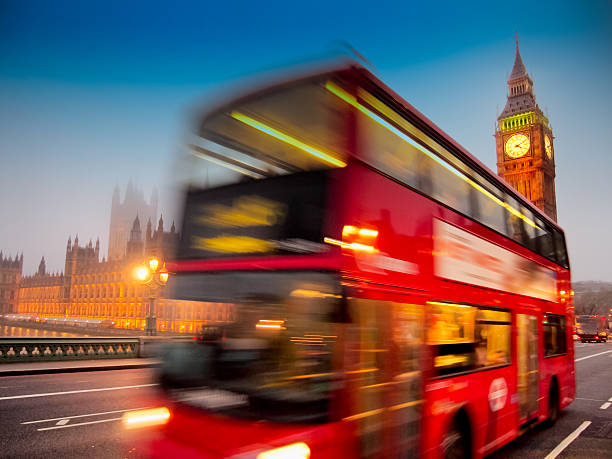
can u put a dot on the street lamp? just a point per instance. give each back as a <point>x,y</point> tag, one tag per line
<point>155,278</point>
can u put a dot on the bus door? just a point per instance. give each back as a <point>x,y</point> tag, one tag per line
<point>385,374</point>
<point>527,365</point>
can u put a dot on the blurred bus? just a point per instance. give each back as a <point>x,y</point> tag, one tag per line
<point>387,294</point>
<point>592,328</point>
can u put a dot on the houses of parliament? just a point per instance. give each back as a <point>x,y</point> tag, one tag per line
<point>92,287</point>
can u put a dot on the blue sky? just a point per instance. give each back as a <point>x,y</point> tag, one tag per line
<point>95,93</point>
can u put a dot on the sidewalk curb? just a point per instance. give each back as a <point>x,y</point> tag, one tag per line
<point>40,371</point>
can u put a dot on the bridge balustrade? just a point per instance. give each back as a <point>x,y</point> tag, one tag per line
<point>71,348</point>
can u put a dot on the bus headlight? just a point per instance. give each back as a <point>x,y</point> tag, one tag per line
<point>145,418</point>
<point>293,451</point>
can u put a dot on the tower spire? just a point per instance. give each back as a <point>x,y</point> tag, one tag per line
<point>149,230</point>
<point>136,234</point>
<point>518,70</point>
<point>521,97</point>
<point>516,39</point>
<point>42,267</point>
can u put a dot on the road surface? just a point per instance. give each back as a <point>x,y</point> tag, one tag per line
<point>77,414</point>
<point>590,411</point>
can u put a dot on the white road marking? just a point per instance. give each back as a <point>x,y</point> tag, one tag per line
<point>567,440</point>
<point>87,415</point>
<point>62,422</point>
<point>80,424</point>
<point>605,406</point>
<point>592,355</point>
<point>590,399</point>
<point>610,399</point>
<point>48,394</point>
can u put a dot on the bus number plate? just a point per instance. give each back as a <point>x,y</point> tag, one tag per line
<point>214,399</point>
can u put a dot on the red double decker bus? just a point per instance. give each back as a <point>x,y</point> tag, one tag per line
<point>369,288</point>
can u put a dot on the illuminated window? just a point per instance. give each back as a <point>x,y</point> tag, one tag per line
<point>492,337</point>
<point>467,338</point>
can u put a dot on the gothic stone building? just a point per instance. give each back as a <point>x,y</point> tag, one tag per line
<point>106,289</point>
<point>524,142</point>
<point>10,276</point>
<point>122,217</point>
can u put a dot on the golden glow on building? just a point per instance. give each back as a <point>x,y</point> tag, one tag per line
<point>107,290</point>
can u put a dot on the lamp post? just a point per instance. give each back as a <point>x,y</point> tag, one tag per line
<point>155,277</point>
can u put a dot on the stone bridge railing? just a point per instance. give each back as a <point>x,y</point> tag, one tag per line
<point>45,349</point>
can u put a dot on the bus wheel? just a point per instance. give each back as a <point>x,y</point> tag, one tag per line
<point>553,403</point>
<point>456,443</point>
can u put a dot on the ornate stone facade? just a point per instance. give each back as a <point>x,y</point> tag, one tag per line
<point>10,276</point>
<point>105,289</point>
<point>524,142</point>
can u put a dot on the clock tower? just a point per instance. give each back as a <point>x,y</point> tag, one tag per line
<point>524,143</point>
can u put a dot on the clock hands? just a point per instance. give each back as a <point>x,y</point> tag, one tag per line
<point>517,145</point>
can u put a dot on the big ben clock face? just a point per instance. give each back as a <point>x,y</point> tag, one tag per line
<point>548,147</point>
<point>517,146</point>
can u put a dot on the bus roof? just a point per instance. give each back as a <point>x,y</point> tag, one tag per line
<point>353,70</point>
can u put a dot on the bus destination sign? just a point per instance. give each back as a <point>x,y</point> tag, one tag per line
<point>283,215</point>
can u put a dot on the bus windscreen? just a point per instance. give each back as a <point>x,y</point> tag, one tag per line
<point>271,217</point>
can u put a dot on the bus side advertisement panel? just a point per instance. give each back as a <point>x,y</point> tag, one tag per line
<point>460,256</point>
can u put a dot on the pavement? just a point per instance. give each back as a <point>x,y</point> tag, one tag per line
<point>73,366</point>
